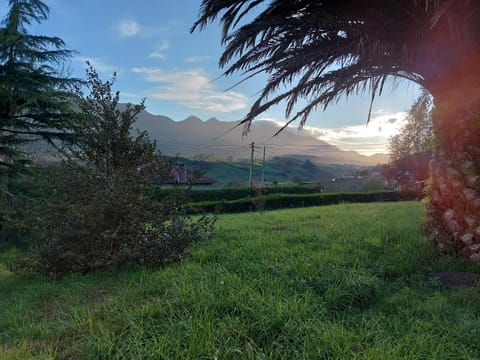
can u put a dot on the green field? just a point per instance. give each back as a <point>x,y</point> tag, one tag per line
<point>279,169</point>
<point>334,282</point>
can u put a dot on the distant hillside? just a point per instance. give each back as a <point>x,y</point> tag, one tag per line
<point>279,169</point>
<point>193,136</point>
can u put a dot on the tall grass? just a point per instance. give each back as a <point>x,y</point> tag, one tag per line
<point>337,282</point>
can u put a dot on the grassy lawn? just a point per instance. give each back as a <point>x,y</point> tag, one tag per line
<point>333,282</point>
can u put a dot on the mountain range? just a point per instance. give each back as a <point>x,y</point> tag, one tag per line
<point>194,137</point>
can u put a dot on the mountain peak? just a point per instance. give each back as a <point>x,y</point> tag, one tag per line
<point>193,136</point>
<point>193,119</point>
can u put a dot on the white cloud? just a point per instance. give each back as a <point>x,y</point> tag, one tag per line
<point>365,139</point>
<point>99,65</point>
<point>159,52</point>
<point>266,117</point>
<point>128,28</point>
<point>130,97</point>
<point>199,58</point>
<point>157,55</point>
<point>193,89</point>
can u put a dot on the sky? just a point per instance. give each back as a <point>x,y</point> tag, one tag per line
<point>149,46</point>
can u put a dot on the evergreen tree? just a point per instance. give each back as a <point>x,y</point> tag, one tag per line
<point>34,96</point>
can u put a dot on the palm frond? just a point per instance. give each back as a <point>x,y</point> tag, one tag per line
<point>321,51</point>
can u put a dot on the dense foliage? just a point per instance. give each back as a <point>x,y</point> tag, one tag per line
<point>34,96</point>
<point>416,135</point>
<point>104,133</point>
<point>93,212</point>
<point>412,148</point>
<point>86,222</point>
<point>33,102</point>
<point>226,193</point>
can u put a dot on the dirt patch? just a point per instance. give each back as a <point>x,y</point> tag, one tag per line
<point>452,279</point>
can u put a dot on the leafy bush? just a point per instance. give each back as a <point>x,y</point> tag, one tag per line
<point>88,223</point>
<point>15,230</point>
<point>7,221</point>
<point>93,212</point>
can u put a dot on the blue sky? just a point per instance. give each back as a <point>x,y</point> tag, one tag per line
<point>148,44</point>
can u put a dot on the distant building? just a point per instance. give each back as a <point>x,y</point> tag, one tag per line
<point>181,176</point>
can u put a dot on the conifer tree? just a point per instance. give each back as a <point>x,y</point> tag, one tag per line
<point>34,96</point>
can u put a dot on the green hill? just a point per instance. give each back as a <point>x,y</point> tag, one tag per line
<point>279,169</point>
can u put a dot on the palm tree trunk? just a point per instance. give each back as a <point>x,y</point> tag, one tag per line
<point>453,222</point>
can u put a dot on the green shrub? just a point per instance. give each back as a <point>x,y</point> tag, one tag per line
<point>15,231</point>
<point>86,223</point>
<point>227,194</point>
<point>8,222</point>
<point>94,212</point>
<point>282,201</point>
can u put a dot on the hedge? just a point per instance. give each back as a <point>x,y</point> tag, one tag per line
<point>228,194</point>
<point>282,201</point>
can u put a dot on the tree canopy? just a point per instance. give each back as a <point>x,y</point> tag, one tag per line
<point>104,130</point>
<point>34,96</point>
<point>411,150</point>
<point>416,136</point>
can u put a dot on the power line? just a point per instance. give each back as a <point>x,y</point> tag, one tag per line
<point>236,153</point>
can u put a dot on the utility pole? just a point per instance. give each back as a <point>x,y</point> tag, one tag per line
<point>263,168</point>
<point>250,181</point>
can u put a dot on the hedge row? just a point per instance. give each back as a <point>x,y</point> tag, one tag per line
<point>282,201</point>
<point>228,194</point>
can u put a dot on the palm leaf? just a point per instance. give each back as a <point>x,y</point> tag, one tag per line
<point>321,51</point>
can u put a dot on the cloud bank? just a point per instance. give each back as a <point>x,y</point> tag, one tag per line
<point>365,139</point>
<point>193,89</point>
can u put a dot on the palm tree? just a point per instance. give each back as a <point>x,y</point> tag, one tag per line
<point>323,50</point>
